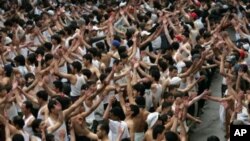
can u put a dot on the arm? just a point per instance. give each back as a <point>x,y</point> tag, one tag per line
<point>29,96</point>
<point>87,113</point>
<point>70,77</point>
<point>106,113</point>
<point>67,112</point>
<point>183,132</point>
<point>197,98</point>
<point>58,123</point>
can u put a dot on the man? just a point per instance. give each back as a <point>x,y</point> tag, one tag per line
<point>76,79</point>
<point>158,132</point>
<point>115,121</point>
<point>28,117</point>
<point>87,61</point>
<point>103,131</point>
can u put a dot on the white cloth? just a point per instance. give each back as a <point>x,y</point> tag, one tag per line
<point>114,128</point>
<point>76,88</point>
<point>57,132</point>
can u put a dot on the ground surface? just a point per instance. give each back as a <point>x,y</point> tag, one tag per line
<point>211,124</point>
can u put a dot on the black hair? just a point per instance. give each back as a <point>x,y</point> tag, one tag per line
<point>92,51</point>
<point>116,62</point>
<point>169,59</point>
<point>77,65</point>
<point>47,46</point>
<point>57,38</point>
<point>8,70</point>
<point>104,127</point>
<point>213,138</point>
<point>102,77</point>
<point>87,73</point>
<point>88,57</point>
<point>28,105</point>
<point>18,121</point>
<point>100,46</point>
<point>175,45</point>
<point>50,137</point>
<point>20,59</point>
<point>18,137</point>
<point>42,95</point>
<point>64,101</point>
<point>158,129</point>
<point>118,112</point>
<point>48,57</point>
<point>40,50</point>
<point>135,109</point>
<point>171,68</point>
<point>29,76</point>
<point>59,85</point>
<point>163,65</point>
<point>155,74</point>
<point>123,55</point>
<point>166,95</point>
<point>32,58</point>
<point>68,30</point>
<point>122,49</point>
<point>85,86</point>
<point>51,104</point>
<point>139,88</point>
<point>171,136</point>
<point>140,101</point>
<point>166,105</point>
<point>35,124</point>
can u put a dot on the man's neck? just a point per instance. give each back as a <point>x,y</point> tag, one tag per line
<point>26,115</point>
<point>53,116</point>
<point>105,138</point>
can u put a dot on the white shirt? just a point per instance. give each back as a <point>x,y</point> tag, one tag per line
<point>76,88</point>
<point>114,129</point>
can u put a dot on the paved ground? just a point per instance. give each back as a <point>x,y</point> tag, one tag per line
<point>211,123</point>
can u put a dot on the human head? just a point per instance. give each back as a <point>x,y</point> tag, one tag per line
<point>173,71</point>
<point>58,86</point>
<point>166,107</point>
<point>76,67</point>
<point>158,132</point>
<point>171,136</point>
<point>42,96</point>
<point>18,122</point>
<point>116,113</point>
<point>133,110</point>
<point>3,91</point>
<point>51,106</point>
<point>168,97</point>
<point>138,90</point>
<point>102,130</point>
<point>213,138</point>
<point>18,137</point>
<point>140,101</point>
<point>87,59</point>
<point>20,60</point>
<point>48,58</point>
<point>27,107</point>
<point>115,44</point>
<point>29,78</point>
<point>56,39</point>
<point>155,74</point>
<point>119,65</point>
<point>36,125</point>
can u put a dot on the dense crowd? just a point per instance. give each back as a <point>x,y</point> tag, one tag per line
<point>120,70</point>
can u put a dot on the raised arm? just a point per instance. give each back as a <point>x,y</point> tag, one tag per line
<point>59,122</point>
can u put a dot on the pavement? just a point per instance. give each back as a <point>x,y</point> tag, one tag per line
<point>211,124</point>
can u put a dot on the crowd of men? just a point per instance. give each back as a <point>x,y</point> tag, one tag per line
<point>120,70</point>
